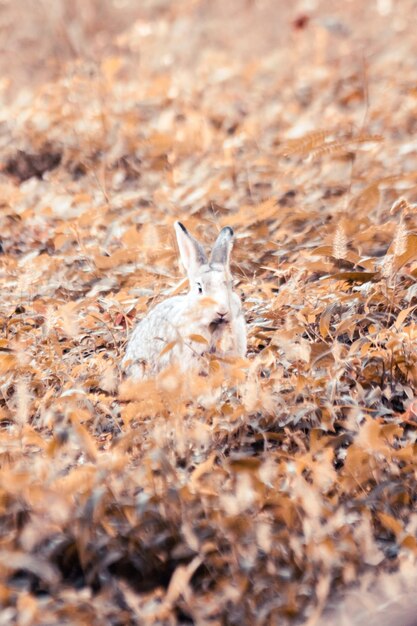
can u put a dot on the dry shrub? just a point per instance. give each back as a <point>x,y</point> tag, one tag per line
<point>259,493</point>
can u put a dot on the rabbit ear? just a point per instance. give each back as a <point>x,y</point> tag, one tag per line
<point>223,247</point>
<point>191,252</point>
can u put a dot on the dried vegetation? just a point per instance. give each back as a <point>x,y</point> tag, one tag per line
<point>127,503</point>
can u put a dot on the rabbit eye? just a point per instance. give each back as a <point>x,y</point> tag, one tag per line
<point>200,288</point>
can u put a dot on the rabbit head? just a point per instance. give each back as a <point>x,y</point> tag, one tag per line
<point>210,279</point>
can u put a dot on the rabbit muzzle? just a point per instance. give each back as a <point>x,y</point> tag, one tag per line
<point>219,320</point>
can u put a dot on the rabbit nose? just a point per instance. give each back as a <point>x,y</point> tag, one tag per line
<point>221,313</point>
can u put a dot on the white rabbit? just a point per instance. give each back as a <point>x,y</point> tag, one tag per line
<point>208,319</point>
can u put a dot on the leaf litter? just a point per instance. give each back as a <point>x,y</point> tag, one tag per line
<point>277,487</point>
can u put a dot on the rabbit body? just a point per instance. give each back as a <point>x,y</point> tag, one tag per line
<point>182,329</point>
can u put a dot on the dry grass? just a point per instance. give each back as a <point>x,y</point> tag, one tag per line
<point>131,503</point>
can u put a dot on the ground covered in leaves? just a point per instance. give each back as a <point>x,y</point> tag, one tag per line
<point>130,503</point>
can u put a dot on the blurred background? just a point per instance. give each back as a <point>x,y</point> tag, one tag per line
<point>37,37</point>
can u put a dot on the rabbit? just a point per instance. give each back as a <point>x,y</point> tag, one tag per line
<point>208,319</point>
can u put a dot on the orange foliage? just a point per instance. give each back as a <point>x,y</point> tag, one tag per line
<point>257,492</point>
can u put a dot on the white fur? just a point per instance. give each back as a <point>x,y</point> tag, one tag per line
<point>174,320</point>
